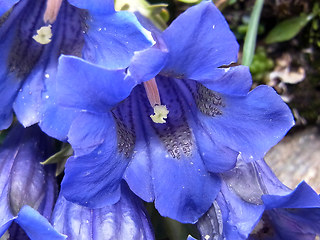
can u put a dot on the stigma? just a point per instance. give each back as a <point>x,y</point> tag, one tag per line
<point>44,35</point>
<point>160,111</point>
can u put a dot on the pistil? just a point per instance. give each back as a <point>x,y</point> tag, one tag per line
<point>44,33</point>
<point>52,11</point>
<point>160,111</point>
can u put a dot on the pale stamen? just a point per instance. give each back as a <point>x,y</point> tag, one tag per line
<point>52,11</point>
<point>160,111</point>
<point>152,92</point>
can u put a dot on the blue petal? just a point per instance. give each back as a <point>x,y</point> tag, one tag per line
<point>184,190</point>
<point>36,226</point>
<point>55,120</point>
<point>93,180</point>
<point>21,170</point>
<point>242,215</point>
<point>23,180</point>
<point>95,7</point>
<point>124,220</point>
<point>5,5</point>
<point>271,184</point>
<point>199,41</point>
<point>146,64</point>
<point>111,40</point>
<point>85,86</point>
<point>217,158</point>
<point>28,62</point>
<point>293,216</point>
<point>9,85</point>
<point>191,238</point>
<point>250,125</point>
<point>231,81</point>
<point>78,91</point>
<point>6,215</point>
<point>302,197</point>
<point>167,165</point>
<point>251,180</point>
<point>88,131</point>
<point>8,91</point>
<point>29,98</point>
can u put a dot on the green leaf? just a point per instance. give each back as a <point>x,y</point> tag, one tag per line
<point>190,1</point>
<point>157,13</point>
<point>251,36</point>
<point>59,158</point>
<point>288,29</point>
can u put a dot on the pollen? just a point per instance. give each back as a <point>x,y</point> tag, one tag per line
<point>160,113</point>
<point>44,35</point>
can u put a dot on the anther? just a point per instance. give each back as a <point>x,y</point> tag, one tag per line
<point>52,11</point>
<point>44,35</point>
<point>160,111</point>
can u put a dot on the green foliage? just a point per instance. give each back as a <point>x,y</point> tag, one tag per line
<point>251,36</point>
<point>157,13</point>
<point>261,65</point>
<point>59,158</point>
<point>288,29</point>
<point>190,1</point>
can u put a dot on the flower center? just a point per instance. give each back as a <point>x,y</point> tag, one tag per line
<point>44,34</point>
<point>160,111</point>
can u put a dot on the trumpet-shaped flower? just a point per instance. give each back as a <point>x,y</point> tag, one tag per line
<point>33,34</point>
<point>126,219</point>
<point>27,188</point>
<point>169,123</point>
<point>254,204</point>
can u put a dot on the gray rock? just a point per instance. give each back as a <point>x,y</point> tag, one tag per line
<point>297,158</point>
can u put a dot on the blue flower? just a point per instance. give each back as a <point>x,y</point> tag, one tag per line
<point>254,204</point>
<point>293,216</point>
<point>212,118</point>
<point>27,189</point>
<point>126,219</point>
<point>33,34</point>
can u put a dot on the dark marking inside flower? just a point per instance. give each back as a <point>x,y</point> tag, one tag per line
<point>208,101</point>
<point>5,16</point>
<point>175,133</point>
<point>177,140</point>
<point>133,121</point>
<point>25,52</point>
<point>263,229</point>
<point>126,137</point>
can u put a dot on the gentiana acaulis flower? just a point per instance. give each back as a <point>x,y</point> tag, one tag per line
<point>33,34</point>
<point>126,219</point>
<point>167,125</point>
<point>28,189</point>
<point>253,204</point>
